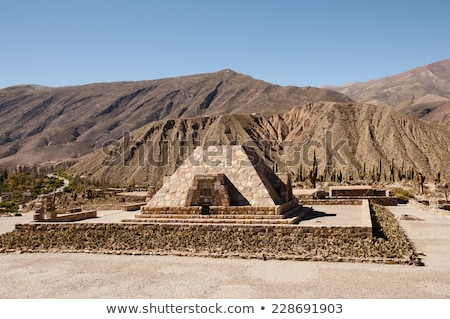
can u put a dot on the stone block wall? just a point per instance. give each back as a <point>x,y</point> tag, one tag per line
<point>355,191</point>
<point>273,239</point>
<point>222,210</point>
<point>171,210</point>
<point>380,200</point>
<point>384,200</point>
<point>331,201</point>
<point>271,242</point>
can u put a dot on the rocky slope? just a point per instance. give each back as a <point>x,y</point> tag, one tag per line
<point>39,124</point>
<point>345,136</point>
<point>423,92</point>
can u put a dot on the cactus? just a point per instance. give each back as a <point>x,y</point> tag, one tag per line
<point>362,173</point>
<point>392,171</point>
<point>401,172</point>
<point>339,177</point>
<point>421,181</point>
<point>410,174</point>
<point>300,177</point>
<point>324,175</point>
<point>377,172</point>
<point>314,171</point>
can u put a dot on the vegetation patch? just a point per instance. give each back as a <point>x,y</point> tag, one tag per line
<point>22,185</point>
<point>401,194</point>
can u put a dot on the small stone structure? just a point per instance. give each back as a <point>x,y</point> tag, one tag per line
<point>345,195</point>
<point>45,211</point>
<point>45,208</point>
<point>224,180</point>
<point>244,170</point>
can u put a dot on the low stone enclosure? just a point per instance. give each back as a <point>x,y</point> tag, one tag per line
<point>230,204</point>
<point>339,195</point>
<point>387,243</point>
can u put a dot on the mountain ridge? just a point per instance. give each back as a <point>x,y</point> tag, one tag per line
<point>50,124</point>
<point>41,125</point>
<point>404,91</point>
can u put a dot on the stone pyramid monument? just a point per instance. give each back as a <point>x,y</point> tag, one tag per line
<point>224,176</point>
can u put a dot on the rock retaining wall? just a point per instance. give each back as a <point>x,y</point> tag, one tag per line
<point>331,201</point>
<point>384,200</point>
<point>387,245</point>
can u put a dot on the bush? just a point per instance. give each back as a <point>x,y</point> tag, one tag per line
<point>9,207</point>
<point>402,195</point>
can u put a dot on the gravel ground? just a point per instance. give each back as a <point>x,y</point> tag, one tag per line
<point>111,276</point>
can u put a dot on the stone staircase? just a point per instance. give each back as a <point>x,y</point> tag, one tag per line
<point>291,217</point>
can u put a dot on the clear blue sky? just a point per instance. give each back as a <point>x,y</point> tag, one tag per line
<point>302,43</point>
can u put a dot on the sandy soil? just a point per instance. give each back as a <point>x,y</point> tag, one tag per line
<point>111,276</point>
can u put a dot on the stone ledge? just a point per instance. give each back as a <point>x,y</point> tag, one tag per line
<point>133,206</point>
<point>222,210</point>
<point>210,216</point>
<point>331,201</point>
<point>200,220</point>
<point>71,217</point>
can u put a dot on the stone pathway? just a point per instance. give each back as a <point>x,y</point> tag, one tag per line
<point>429,230</point>
<point>8,224</point>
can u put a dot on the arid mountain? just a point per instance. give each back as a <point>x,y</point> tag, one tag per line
<point>346,136</point>
<point>39,124</point>
<point>423,92</point>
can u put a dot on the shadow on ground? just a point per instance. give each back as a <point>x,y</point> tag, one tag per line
<point>306,213</point>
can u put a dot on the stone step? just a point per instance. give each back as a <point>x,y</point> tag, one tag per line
<point>216,210</point>
<point>209,221</point>
<point>210,216</point>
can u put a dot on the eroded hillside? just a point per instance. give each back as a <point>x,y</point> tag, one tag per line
<point>345,137</point>
<point>39,124</point>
